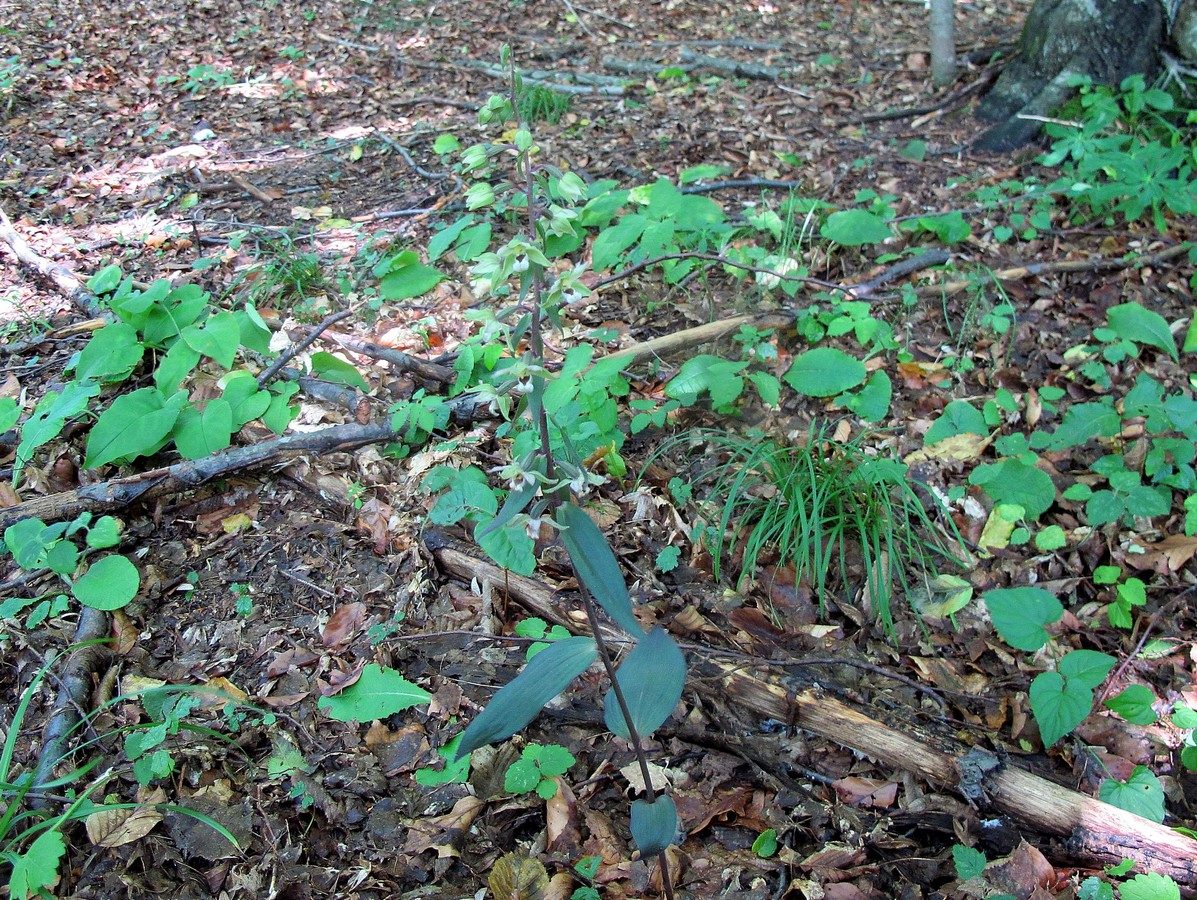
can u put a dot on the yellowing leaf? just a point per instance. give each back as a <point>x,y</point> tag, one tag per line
<point>957,448</point>
<point>999,526</point>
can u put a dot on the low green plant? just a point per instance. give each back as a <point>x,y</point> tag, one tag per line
<point>106,582</point>
<point>32,834</point>
<point>818,505</point>
<point>536,768</point>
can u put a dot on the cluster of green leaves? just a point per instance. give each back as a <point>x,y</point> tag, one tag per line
<point>536,768</point>
<point>1127,158</point>
<point>177,327</point>
<point>1063,698</point>
<point>107,583</point>
<point>32,845</point>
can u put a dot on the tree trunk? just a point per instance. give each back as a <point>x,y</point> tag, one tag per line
<point>1105,40</point>
<point>943,42</point>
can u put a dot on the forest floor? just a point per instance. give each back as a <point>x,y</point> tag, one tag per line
<point>220,143</point>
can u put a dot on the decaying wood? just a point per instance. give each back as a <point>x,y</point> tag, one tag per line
<point>74,693</point>
<point>120,492</point>
<point>62,277</point>
<point>1091,830</point>
<point>399,361</point>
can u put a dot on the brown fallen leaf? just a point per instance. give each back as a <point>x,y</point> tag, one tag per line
<point>518,877</point>
<point>343,624</point>
<point>117,827</point>
<point>1165,557</point>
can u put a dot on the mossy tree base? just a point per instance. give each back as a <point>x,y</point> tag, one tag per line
<point>1106,40</point>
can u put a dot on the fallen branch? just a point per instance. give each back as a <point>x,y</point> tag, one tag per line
<point>299,346</point>
<point>74,695</point>
<point>1093,830</point>
<point>63,278</point>
<point>183,476</point>
<point>252,189</point>
<point>398,360</point>
<point>1096,264</point>
<point>783,184</point>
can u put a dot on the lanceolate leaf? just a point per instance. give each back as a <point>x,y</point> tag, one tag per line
<point>516,704</point>
<point>597,567</point>
<point>377,694</point>
<point>651,679</point>
<point>654,825</point>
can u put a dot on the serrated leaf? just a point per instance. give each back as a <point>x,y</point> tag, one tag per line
<point>1059,705</point>
<point>1143,326</point>
<point>1141,794</point>
<point>969,863</point>
<point>376,694</point>
<point>654,825</point>
<point>518,702</point>
<point>651,679</point>
<point>1013,481</point>
<point>1019,615</point>
<point>1150,886</point>
<point>110,583</point>
<point>36,869</point>
<point>554,760</point>
<point>825,372</point>
<point>597,567</point>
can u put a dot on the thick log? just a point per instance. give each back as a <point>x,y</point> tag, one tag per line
<point>1092,830</point>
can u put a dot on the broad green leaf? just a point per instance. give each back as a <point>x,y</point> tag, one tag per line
<point>1141,794</point>
<point>464,497</point>
<point>48,419</point>
<point>872,401</point>
<point>332,368</point>
<point>825,372</point>
<point>1019,615</point>
<point>767,387</point>
<point>1015,482</point>
<point>969,862</point>
<point>443,239</point>
<point>27,541</point>
<point>765,844</point>
<point>510,547</point>
<point>517,703</point>
<point>104,532</point>
<point>1150,886</point>
<point>710,375</point>
<point>246,400</point>
<point>134,424</point>
<point>700,172</point>
<point>218,339</point>
<point>1081,423</point>
<point>376,694</point>
<point>1059,705</point>
<point>110,583</point>
<point>651,679</point>
<point>106,280</point>
<point>597,567</point>
<point>854,227</point>
<point>473,241</point>
<point>36,870</point>
<point>614,240</point>
<point>166,319</point>
<point>10,412</point>
<point>280,412</point>
<point>1089,667</point>
<point>1143,326</point>
<point>254,333</point>
<point>199,434</point>
<point>174,366</point>
<point>1050,538</point>
<point>111,355</point>
<point>522,777</point>
<point>654,825</point>
<point>1134,705</point>
<point>408,277</point>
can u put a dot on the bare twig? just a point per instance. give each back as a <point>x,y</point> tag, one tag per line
<point>63,278</point>
<point>295,349</point>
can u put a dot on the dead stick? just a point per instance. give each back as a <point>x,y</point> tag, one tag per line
<point>400,361</point>
<point>295,349</point>
<point>63,278</point>
<point>252,189</point>
<point>1092,829</point>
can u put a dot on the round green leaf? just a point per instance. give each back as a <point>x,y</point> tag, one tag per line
<point>654,825</point>
<point>109,584</point>
<point>854,227</point>
<point>825,372</point>
<point>1019,615</point>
